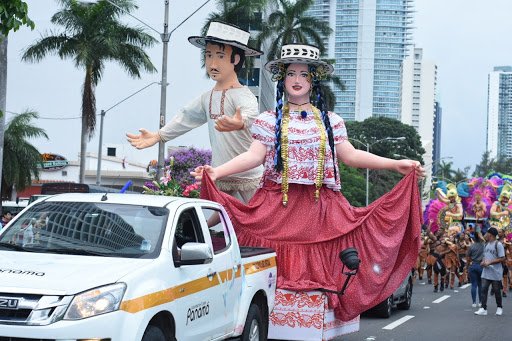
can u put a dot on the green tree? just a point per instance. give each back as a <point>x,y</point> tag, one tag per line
<point>375,129</point>
<point>503,165</point>
<point>92,36</point>
<point>353,185</point>
<point>289,24</point>
<point>245,14</point>
<point>445,171</point>
<point>328,93</point>
<point>460,174</point>
<point>485,165</point>
<point>13,15</point>
<point>21,159</point>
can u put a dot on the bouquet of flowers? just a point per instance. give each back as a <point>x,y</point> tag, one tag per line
<point>177,180</point>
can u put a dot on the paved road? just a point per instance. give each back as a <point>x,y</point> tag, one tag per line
<point>438,316</point>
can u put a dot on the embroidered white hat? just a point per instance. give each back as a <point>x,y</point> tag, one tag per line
<point>299,54</point>
<point>227,34</point>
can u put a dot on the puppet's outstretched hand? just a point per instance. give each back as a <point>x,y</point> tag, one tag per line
<point>143,140</point>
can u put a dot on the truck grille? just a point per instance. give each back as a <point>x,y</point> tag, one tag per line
<point>37,310</point>
<point>20,314</point>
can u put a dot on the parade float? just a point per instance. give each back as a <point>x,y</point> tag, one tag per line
<point>476,197</point>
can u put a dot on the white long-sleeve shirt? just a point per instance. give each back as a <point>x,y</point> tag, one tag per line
<point>225,145</point>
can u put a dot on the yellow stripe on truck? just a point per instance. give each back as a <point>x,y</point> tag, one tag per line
<point>168,295</point>
<point>260,265</point>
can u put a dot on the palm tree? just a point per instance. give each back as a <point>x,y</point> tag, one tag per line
<point>21,159</point>
<point>328,93</point>
<point>445,170</point>
<point>92,36</point>
<point>242,13</point>
<point>289,24</point>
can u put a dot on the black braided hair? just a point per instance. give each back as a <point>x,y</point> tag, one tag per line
<point>320,104</point>
<point>278,160</point>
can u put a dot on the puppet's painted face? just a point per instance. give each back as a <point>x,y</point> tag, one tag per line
<point>298,81</point>
<point>218,61</point>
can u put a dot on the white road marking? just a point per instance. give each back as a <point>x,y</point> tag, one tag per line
<point>455,290</point>
<point>426,307</point>
<point>441,299</point>
<point>398,322</point>
<point>465,286</point>
<point>371,338</point>
<point>422,283</point>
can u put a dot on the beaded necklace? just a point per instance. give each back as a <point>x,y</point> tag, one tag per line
<point>284,153</point>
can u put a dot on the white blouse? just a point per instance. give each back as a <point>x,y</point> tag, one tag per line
<point>303,147</point>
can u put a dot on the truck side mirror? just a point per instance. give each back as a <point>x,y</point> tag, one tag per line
<point>194,253</point>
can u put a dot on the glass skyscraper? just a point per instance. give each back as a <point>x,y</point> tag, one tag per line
<point>499,113</point>
<point>369,43</point>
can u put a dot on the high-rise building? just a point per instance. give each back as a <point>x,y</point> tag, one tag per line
<point>499,112</point>
<point>438,116</point>
<point>369,44</point>
<point>419,79</point>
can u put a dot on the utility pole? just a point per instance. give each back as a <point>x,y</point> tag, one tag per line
<point>163,95</point>
<point>3,97</point>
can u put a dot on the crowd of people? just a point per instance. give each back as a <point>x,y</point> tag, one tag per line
<point>469,240</point>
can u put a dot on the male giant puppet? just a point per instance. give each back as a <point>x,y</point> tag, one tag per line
<point>229,108</point>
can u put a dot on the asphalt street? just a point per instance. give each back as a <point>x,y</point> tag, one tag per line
<point>445,315</point>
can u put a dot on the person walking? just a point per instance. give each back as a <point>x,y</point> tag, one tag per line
<point>475,255</point>
<point>492,273</point>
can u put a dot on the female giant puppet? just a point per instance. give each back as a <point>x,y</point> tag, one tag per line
<point>299,211</point>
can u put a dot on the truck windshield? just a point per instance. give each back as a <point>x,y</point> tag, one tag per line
<point>86,228</point>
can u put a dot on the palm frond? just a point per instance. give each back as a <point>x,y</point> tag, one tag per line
<point>43,47</point>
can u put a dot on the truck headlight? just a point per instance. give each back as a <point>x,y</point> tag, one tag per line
<point>96,301</point>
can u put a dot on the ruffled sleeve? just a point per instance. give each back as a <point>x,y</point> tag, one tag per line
<point>263,128</point>
<point>339,130</point>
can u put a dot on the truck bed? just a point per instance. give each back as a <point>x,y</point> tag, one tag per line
<point>249,251</point>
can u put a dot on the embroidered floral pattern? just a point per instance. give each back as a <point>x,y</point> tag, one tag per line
<point>304,142</point>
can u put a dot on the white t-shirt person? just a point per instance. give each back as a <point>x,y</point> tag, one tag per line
<point>493,250</point>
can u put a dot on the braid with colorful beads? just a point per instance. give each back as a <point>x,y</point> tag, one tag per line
<point>278,160</point>
<point>320,104</point>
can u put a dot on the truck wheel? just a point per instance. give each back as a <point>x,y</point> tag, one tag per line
<point>153,333</point>
<point>253,328</point>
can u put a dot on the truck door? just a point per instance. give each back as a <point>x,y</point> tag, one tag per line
<point>199,295</point>
<point>229,263</point>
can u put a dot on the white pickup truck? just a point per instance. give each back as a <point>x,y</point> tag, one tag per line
<point>123,267</point>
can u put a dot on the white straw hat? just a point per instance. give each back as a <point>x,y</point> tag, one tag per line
<point>299,54</point>
<point>227,34</point>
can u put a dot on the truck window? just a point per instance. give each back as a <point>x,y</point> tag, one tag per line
<point>188,229</point>
<point>103,229</point>
<point>218,229</point>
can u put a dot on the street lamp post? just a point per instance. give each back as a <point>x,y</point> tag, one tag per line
<point>102,116</point>
<point>368,145</point>
<point>165,37</point>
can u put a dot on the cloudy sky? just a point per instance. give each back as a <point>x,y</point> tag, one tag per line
<point>465,38</point>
